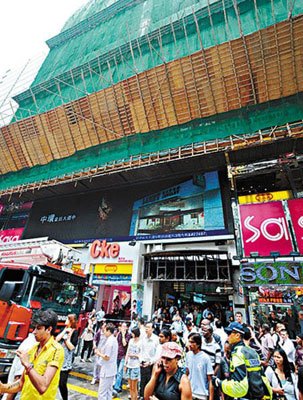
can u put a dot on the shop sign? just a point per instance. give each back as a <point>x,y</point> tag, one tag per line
<point>296,213</point>
<point>264,229</point>
<point>99,279</point>
<point>112,269</point>
<point>11,235</point>
<point>264,197</point>
<point>103,249</point>
<point>268,295</point>
<point>267,273</point>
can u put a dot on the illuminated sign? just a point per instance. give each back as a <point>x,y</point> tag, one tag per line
<point>263,197</point>
<point>296,212</point>
<point>264,229</point>
<point>271,273</point>
<point>112,269</point>
<point>104,249</point>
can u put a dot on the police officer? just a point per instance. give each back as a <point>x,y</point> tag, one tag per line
<point>247,380</point>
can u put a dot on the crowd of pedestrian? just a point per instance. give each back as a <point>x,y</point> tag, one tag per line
<point>176,357</point>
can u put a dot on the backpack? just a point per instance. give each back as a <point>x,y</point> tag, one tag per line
<point>258,384</point>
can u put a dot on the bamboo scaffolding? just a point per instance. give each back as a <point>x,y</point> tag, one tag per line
<point>263,66</point>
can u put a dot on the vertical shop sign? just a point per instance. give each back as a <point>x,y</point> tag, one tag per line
<point>264,229</point>
<point>295,207</point>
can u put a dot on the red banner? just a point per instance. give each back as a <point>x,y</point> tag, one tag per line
<point>11,235</point>
<point>264,229</point>
<point>296,213</point>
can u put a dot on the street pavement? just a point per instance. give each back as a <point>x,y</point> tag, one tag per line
<point>79,383</point>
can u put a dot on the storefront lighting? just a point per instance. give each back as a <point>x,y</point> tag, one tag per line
<point>275,254</point>
<point>294,254</point>
<point>254,254</point>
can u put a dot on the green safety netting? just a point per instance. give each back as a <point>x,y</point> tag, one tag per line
<point>109,41</point>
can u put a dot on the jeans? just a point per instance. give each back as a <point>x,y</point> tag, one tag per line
<point>119,376</point>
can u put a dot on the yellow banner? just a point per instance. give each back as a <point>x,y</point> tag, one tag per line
<point>264,197</point>
<point>112,269</point>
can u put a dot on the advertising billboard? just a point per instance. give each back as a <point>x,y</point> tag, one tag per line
<point>295,207</point>
<point>264,229</point>
<point>190,208</point>
<point>11,235</point>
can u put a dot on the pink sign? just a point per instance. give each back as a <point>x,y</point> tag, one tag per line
<point>296,213</point>
<point>11,235</point>
<point>264,229</point>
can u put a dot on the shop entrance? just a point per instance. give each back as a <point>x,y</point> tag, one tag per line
<point>192,279</point>
<point>195,296</point>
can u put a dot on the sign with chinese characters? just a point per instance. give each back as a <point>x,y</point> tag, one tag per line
<point>296,213</point>
<point>53,218</point>
<point>264,229</point>
<point>271,273</point>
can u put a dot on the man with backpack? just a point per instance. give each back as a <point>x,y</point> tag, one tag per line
<point>247,380</point>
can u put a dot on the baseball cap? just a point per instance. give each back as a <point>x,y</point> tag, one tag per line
<point>235,327</point>
<point>171,350</point>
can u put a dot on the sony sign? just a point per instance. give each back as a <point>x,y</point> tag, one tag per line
<point>262,273</point>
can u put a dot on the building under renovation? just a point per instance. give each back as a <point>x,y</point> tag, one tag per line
<point>169,128</point>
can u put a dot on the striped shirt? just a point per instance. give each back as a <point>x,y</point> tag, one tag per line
<point>213,350</point>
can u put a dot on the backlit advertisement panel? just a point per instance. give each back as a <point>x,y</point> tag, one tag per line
<point>178,209</point>
<point>295,207</point>
<point>11,235</point>
<point>264,229</point>
<point>189,207</point>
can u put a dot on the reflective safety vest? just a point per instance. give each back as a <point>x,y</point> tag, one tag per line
<point>247,378</point>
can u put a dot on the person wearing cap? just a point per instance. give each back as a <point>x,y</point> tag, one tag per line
<point>247,380</point>
<point>168,381</point>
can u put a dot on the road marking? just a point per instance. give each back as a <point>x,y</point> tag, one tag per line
<point>85,391</point>
<point>82,390</point>
<point>80,375</point>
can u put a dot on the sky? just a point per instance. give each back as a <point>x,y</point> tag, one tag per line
<point>25,25</point>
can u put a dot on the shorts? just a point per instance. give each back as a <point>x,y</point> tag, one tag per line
<point>132,373</point>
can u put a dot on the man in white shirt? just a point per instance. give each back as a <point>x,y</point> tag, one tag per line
<point>108,355</point>
<point>288,346</point>
<point>218,330</point>
<point>149,347</point>
<point>267,344</point>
